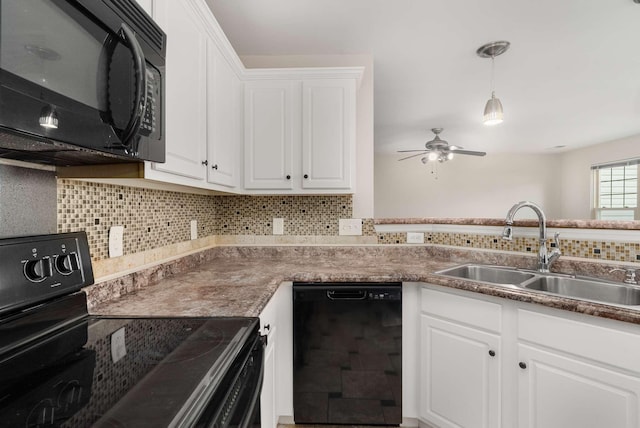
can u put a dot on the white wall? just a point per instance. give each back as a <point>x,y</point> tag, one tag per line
<point>487,187</point>
<point>575,172</point>
<point>466,186</point>
<point>363,198</point>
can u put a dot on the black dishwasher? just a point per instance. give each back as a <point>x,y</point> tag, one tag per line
<point>347,353</point>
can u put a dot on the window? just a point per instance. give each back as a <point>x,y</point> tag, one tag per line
<point>616,191</point>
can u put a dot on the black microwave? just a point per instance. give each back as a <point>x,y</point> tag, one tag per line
<point>81,82</point>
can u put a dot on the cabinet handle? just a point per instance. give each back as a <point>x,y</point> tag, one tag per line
<point>306,176</point>
<point>288,177</point>
<point>267,326</point>
<point>492,353</point>
<point>205,162</point>
<point>522,365</point>
<point>214,167</point>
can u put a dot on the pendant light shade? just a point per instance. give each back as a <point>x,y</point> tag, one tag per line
<point>493,112</point>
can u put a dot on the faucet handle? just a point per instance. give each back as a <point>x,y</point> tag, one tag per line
<point>630,274</point>
<point>556,240</point>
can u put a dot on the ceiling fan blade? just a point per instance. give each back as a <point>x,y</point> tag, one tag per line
<point>413,156</point>
<point>468,152</point>
<point>407,151</point>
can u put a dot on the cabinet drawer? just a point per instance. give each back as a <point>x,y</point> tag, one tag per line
<point>471,311</point>
<point>585,339</point>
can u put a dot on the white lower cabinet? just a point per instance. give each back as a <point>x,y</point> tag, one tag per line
<point>490,362</point>
<point>460,364</point>
<point>276,398</point>
<point>576,373</point>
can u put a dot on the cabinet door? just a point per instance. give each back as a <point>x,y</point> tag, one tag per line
<point>186,89</point>
<point>271,115</point>
<point>224,136</point>
<point>269,328</point>
<point>557,391</point>
<point>328,133</point>
<point>460,375</point>
<point>268,417</point>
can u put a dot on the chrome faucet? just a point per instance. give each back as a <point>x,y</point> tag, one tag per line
<point>630,275</point>
<point>545,259</point>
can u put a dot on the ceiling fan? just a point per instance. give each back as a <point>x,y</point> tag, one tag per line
<point>439,150</point>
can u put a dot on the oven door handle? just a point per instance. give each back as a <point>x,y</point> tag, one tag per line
<point>247,418</point>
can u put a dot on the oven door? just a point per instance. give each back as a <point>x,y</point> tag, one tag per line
<point>70,76</point>
<point>236,402</point>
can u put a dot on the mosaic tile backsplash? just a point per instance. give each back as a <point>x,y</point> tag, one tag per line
<point>156,218</point>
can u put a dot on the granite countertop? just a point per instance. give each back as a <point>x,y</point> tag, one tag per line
<point>239,281</point>
<point>558,223</point>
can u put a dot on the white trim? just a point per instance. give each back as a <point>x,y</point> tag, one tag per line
<point>610,235</point>
<point>298,73</point>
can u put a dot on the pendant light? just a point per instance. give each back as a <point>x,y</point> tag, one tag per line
<point>493,113</point>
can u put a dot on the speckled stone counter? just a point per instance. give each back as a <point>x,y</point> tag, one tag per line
<point>567,223</point>
<point>239,281</point>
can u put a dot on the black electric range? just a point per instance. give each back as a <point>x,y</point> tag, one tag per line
<point>60,366</point>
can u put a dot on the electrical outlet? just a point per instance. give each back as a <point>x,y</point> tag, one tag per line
<point>118,347</point>
<point>278,226</point>
<point>415,238</point>
<point>116,234</point>
<point>350,226</point>
<point>194,229</point>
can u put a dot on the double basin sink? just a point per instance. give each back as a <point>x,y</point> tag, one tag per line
<point>581,288</point>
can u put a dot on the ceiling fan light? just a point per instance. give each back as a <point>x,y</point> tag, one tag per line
<point>493,113</point>
<point>433,156</point>
<point>48,118</point>
<point>449,156</point>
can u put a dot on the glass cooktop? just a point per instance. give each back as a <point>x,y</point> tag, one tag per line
<point>114,372</point>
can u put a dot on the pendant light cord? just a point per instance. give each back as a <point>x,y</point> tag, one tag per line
<point>492,74</point>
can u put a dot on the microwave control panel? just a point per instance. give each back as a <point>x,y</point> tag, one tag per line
<point>150,124</point>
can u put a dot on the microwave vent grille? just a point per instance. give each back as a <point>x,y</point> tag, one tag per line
<point>144,25</point>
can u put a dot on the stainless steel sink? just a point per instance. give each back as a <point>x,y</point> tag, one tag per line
<point>601,291</point>
<point>483,273</point>
<point>590,289</point>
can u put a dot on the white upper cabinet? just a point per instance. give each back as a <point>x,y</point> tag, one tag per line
<point>285,131</point>
<point>185,90</point>
<point>328,133</point>
<point>271,123</point>
<point>224,135</point>
<point>300,135</point>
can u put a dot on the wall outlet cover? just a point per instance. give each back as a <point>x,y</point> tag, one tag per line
<point>194,229</point>
<point>350,226</point>
<point>278,226</point>
<point>415,238</point>
<point>116,245</point>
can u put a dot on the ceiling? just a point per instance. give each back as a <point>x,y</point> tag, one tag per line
<point>570,78</point>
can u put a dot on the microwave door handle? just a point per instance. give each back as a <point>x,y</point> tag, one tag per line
<point>141,83</point>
